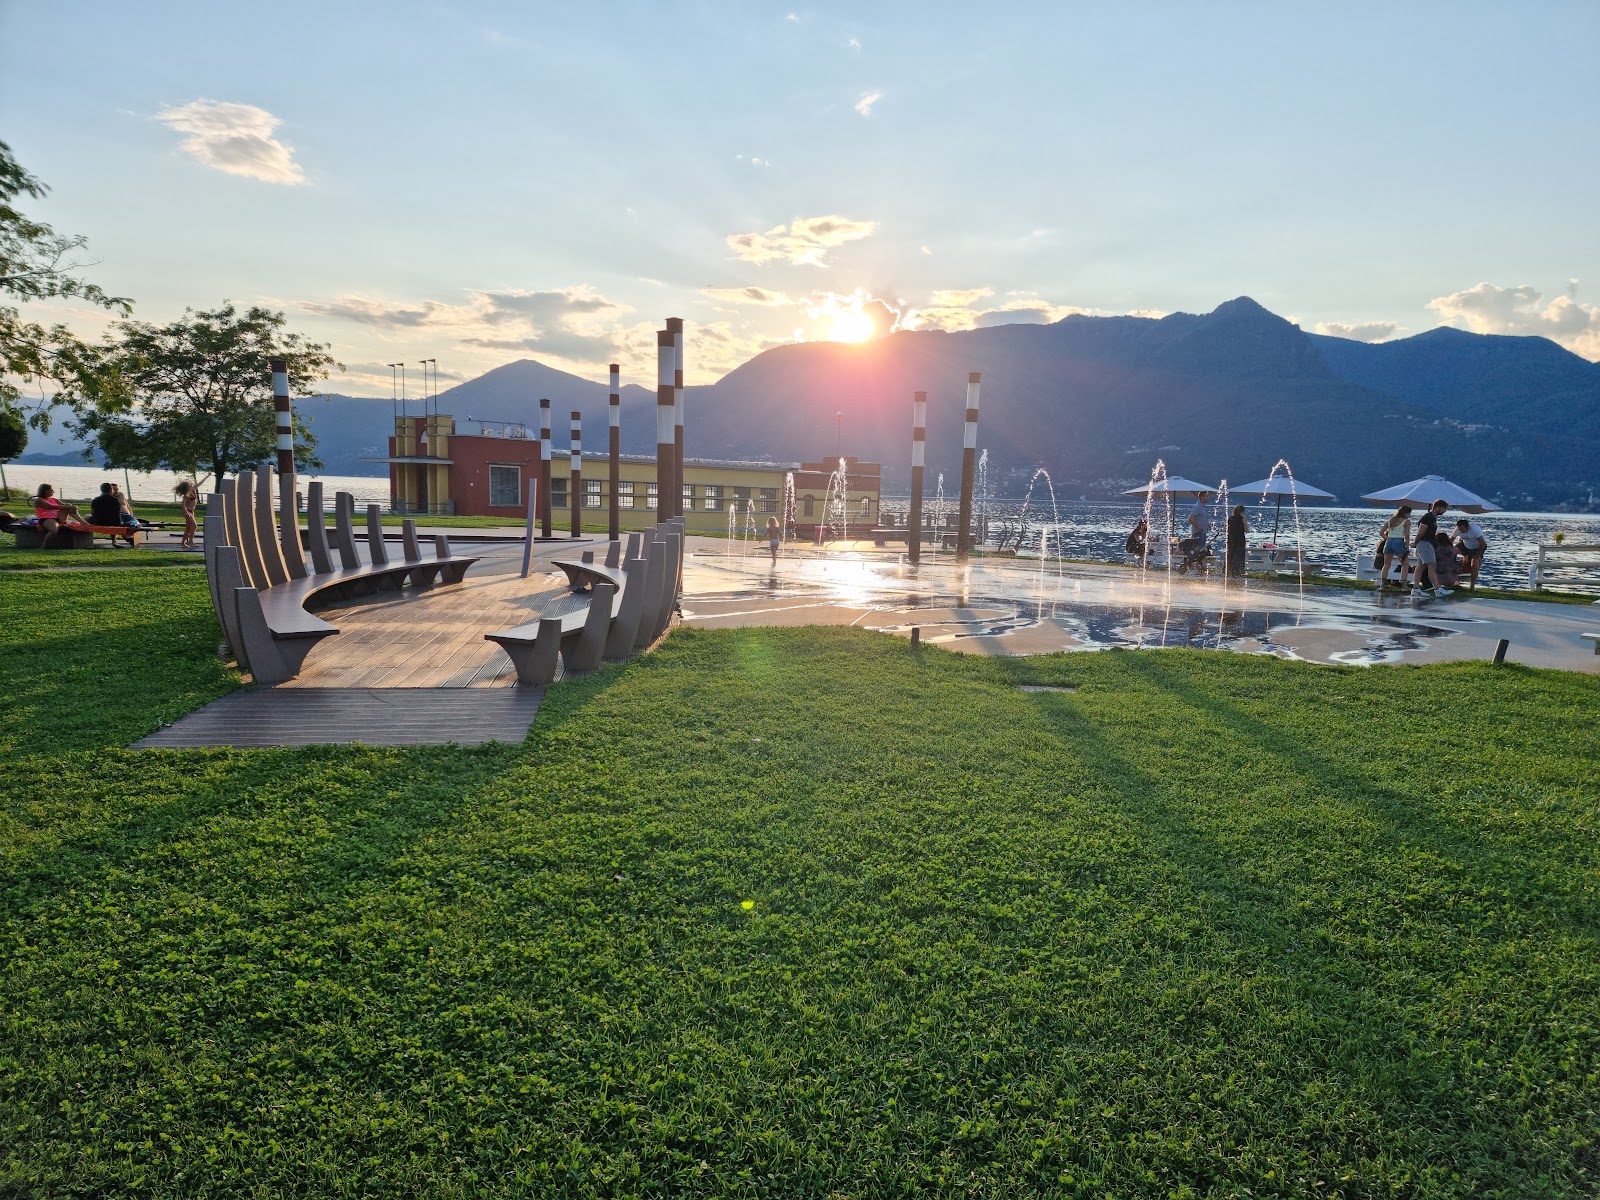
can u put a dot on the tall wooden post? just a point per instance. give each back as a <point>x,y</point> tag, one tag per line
<point>280,403</point>
<point>615,413</point>
<point>919,440</point>
<point>546,457</point>
<point>969,463</point>
<point>675,328</point>
<point>666,445</point>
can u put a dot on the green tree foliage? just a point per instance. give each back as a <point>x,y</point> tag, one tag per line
<point>13,435</point>
<point>37,263</point>
<point>198,391</point>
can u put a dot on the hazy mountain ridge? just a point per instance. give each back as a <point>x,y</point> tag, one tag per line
<point>1095,400</point>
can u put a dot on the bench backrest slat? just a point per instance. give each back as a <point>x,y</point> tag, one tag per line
<point>317,529</point>
<point>244,499</point>
<point>375,549</point>
<point>267,530</point>
<point>294,560</point>
<point>344,531</point>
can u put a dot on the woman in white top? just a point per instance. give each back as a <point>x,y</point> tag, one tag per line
<point>1396,545</point>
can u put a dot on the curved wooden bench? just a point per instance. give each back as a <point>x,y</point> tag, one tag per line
<point>579,637</point>
<point>583,575</point>
<point>260,583</point>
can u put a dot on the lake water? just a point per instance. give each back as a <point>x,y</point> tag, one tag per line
<point>80,483</point>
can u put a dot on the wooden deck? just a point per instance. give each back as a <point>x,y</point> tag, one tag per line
<point>433,638</point>
<point>408,669</point>
<point>280,716</point>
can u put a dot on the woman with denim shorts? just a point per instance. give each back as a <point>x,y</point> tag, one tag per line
<point>1396,542</point>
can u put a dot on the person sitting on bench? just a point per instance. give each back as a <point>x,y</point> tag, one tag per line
<point>124,511</point>
<point>105,510</point>
<point>53,513</point>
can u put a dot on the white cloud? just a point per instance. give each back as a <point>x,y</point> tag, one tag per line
<point>236,138</point>
<point>1517,312</point>
<point>1367,331</point>
<point>747,295</point>
<point>854,43</point>
<point>958,297</point>
<point>804,242</point>
<point>957,309</point>
<point>868,99</point>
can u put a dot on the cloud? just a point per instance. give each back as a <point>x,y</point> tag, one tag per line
<point>956,309</point>
<point>574,325</point>
<point>958,297</point>
<point>753,161</point>
<point>1368,331</point>
<point>1516,312</point>
<point>236,138</point>
<point>854,43</point>
<point>804,242</point>
<point>868,99</point>
<point>747,295</point>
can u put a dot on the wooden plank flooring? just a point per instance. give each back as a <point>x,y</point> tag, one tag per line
<point>261,717</point>
<point>408,669</point>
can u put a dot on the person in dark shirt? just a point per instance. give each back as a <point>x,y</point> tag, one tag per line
<point>1425,545</point>
<point>104,509</point>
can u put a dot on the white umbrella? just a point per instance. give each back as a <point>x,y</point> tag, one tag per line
<point>1281,486</point>
<point>1173,483</point>
<point>1428,489</point>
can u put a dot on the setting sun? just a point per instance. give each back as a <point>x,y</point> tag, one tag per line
<point>851,325</point>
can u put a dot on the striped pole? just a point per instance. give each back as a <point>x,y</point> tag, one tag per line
<point>577,474</point>
<point>675,328</point>
<point>280,402</point>
<point>546,457</point>
<point>666,403</point>
<point>919,440</point>
<point>969,462</point>
<point>615,411</point>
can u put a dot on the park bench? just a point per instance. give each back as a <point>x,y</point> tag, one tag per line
<point>630,605</point>
<point>882,536</point>
<point>1592,637</point>
<point>71,537</point>
<point>262,587</point>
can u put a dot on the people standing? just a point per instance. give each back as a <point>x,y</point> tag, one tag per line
<point>1470,544</point>
<point>1427,533</point>
<point>1238,540</point>
<point>1395,538</point>
<point>774,538</point>
<point>188,496</point>
<point>1193,547</point>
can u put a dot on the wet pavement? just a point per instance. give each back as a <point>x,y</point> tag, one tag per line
<point>1023,606</point>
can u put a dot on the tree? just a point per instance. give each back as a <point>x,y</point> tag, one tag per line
<point>37,263</point>
<point>198,391</point>
<point>13,441</point>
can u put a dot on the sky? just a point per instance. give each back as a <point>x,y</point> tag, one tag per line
<point>479,183</point>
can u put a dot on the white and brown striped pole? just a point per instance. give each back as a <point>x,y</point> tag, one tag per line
<point>280,403</point>
<point>615,413</point>
<point>675,328</point>
<point>666,444</point>
<point>577,474</point>
<point>919,441</point>
<point>969,463</point>
<point>546,457</point>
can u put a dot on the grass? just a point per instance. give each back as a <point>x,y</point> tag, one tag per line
<point>1483,592</point>
<point>800,913</point>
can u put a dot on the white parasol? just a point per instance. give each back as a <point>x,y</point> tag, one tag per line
<point>1173,483</point>
<point>1428,489</point>
<point>1281,486</point>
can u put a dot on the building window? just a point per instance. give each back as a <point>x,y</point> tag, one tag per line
<point>688,496</point>
<point>741,498</point>
<point>809,503</point>
<point>769,500</point>
<point>866,506</point>
<point>625,493</point>
<point>591,493</point>
<point>650,496</point>
<point>505,487</point>
<point>713,497</point>
<point>558,493</point>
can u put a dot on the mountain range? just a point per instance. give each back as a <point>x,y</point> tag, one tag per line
<point>1096,400</point>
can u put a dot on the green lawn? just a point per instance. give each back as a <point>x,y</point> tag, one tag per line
<point>800,913</point>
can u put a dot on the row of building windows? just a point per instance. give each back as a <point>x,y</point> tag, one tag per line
<point>505,491</point>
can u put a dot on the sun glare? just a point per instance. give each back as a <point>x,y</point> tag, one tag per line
<point>852,325</point>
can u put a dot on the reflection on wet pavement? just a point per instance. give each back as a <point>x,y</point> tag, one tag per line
<point>1003,606</point>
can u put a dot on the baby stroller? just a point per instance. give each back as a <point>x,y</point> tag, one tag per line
<point>1195,555</point>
